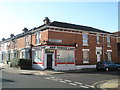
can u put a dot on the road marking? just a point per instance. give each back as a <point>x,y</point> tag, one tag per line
<point>47,78</point>
<point>52,77</point>
<point>84,86</point>
<point>73,84</point>
<point>68,80</point>
<point>78,83</point>
<point>55,79</point>
<point>62,81</point>
<point>89,86</point>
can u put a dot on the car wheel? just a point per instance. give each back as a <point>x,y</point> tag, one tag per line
<point>107,69</point>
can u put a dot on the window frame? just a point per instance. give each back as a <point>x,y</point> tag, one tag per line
<point>85,38</point>
<point>98,39</point>
<point>108,41</point>
<point>38,36</point>
<point>88,56</point>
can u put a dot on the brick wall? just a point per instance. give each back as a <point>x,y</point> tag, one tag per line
<point>21,42</point>
<point>71,38</point>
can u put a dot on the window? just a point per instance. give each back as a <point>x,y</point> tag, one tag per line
<point>22,54</point>
<point>108,42</point>
<point>109,56</point>
<point>26,54</point>
<point>65,56</point>
<point>38,37</point>
<point>15,54</point>
<point>85,56</point>
<point>26,40</point>
<point>37,56</point>
<point>98,39</point>
<point>85,39</point>
<point>2,56</point>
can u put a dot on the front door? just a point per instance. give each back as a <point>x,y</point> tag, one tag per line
<point>49,61</point>
<point>98,56</point>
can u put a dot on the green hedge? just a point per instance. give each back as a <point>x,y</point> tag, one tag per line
<point>21,63</point>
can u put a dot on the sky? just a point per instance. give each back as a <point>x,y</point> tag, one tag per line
<point>14,16</point>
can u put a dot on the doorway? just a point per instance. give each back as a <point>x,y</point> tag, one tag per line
<point>98,56</point>
<point>49,61</point>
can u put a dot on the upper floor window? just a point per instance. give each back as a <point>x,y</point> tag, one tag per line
<point>108,42</point>
<point>38,37</point>
<point>98,39</point>
<point>27,40</point>
<point>85,39</point>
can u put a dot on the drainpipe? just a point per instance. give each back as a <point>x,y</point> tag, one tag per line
<point>31,49</point>
<point>103,48</point>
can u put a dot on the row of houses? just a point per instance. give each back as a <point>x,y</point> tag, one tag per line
<point>60,46</point>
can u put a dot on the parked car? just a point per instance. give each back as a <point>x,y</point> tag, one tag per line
<point>118,65</point>
<point>107,65</point>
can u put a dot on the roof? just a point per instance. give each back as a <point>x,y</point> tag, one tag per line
<point>74,26</point>
<point>118,33</point>
<point>63,25</point>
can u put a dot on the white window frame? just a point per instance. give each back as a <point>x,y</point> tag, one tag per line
<point>84,61</point>
<point>38,35</point>
<point>98,39</point>
<point>85,38</point>
<point>26,40</point>
<point>108,41</point>
<point>109,51</point>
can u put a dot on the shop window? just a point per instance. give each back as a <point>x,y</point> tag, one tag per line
<point>37,57</point>
<point>65,56</point>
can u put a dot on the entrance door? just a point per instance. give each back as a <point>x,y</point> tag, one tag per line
<point>49,61</point>
<point>98,56</point>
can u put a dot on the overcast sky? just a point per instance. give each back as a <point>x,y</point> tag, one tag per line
<point>14,16</point>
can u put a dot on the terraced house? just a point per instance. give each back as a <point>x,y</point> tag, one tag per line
<point>61,46</point>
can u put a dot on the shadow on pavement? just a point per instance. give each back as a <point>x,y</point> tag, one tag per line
<point>93,71</point>
<point>6,80</point>
<point>25,74</point>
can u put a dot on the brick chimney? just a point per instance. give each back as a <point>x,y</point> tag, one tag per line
<point>46,20</point>
<point>25,30</point>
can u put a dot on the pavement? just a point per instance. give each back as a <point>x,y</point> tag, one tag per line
<point>113,84</point>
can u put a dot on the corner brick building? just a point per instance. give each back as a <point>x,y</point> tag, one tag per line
<point>61,46</point>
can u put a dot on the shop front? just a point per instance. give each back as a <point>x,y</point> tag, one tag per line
<point>53,57</point>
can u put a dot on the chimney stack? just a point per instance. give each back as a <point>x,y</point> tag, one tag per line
<point>46,21</point>
<point>25,30</point>
<point>11,35</point>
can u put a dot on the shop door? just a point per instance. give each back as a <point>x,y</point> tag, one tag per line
<point>49,61</point>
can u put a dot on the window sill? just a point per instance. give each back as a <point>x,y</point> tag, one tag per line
<point>86,62</point>
<point>98,42</point>
<point>85,45</point>
<point>108,46</point>
<point>38,44</point>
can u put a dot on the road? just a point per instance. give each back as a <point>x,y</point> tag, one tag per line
<point>66,80</point>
